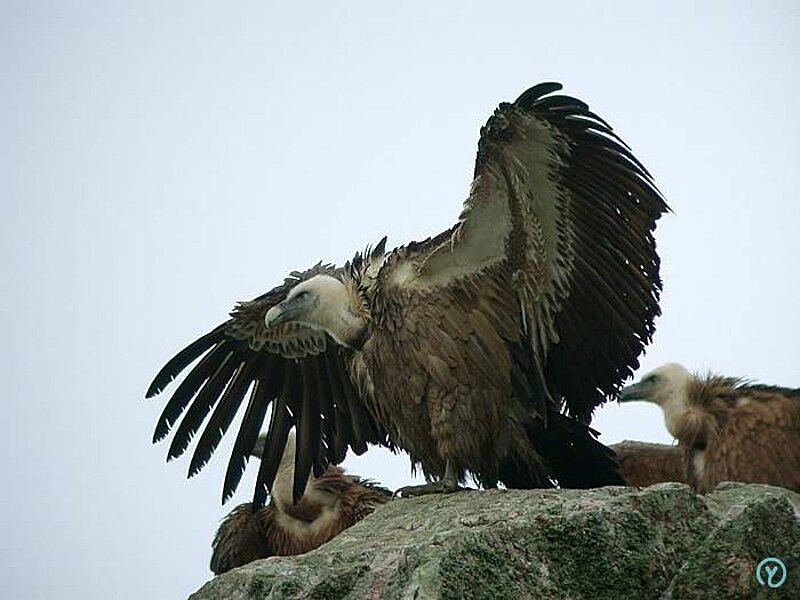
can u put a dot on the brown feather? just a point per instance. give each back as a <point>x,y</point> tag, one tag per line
<point>643,464</point>
<point>241,538</point>
<point>330,504</point>
<point>734,431</point>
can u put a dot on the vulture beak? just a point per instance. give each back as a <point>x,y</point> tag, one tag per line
<point>632,393</point>
<point>281,313</point>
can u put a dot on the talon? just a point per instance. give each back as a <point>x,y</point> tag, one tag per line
<point>436,487</point>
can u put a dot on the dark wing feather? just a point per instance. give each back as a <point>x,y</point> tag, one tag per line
<point>326,404</point>
<point>563,201</point>
<point>262,394</point>
<point>223,415</point>
<point>183,359</point>
<point>615,208</point>
<point>342,428</point>
<point>300,373</point>
<point>534,94</point>
<point>187,390</point>
<point>308,430</point>
<point>279,426</point>
<point>206,399</point>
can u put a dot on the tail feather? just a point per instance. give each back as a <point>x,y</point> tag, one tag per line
<point>567,448</point>
<point>572,452</point>
<point>518,472</point>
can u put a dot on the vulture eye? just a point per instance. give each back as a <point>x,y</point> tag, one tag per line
<point>650,379</point>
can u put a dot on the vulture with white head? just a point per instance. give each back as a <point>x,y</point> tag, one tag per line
<point>480,351</point>
<point>728,428</point>
<point>330,504</point>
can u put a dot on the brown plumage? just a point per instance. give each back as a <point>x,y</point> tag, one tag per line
<point>481,351</point>
<point>330,504</point>
<point>644,464</point>
<point>728,429</point>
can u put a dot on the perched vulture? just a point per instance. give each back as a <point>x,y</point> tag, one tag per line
<point>643,464</point>
<point>330,504</point>
<point>728,429</point>
<point>482,350</point>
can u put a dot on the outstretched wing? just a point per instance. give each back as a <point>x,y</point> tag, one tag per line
<point>562,201</point>
<point>298,372</point>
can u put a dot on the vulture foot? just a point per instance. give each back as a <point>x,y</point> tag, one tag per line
<point>446,485</point>
<point>442,486</point>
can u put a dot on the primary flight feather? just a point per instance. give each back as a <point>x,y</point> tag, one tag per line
<point>481,351</point>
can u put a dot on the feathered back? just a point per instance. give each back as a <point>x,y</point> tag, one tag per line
<point>704,390</point>
<point>644,464</point>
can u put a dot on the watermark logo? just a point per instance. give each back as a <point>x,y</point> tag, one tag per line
<point>771,572</point>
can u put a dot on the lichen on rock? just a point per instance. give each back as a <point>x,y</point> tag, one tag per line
<point>663,541</point>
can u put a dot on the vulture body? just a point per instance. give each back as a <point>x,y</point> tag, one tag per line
<point>727,428</point>
<point>482,350</point>
<point>330,504</point>
<point>643,464</point>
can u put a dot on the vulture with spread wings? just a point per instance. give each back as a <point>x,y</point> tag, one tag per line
<point>480,351</point>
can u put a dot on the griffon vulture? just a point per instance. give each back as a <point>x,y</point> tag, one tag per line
<point>482,350</point>
<point>330,504</point>
<point>729,429</point>
<point>643,464</point>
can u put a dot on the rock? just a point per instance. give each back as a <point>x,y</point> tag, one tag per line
<point>659,542</point>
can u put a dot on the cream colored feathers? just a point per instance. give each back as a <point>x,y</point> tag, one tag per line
<point>330,504</point>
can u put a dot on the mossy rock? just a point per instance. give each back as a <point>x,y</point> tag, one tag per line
<point>659,542</point>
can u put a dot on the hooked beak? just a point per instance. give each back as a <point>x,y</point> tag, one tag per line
<point>631,393</point>
<point>281,313</point>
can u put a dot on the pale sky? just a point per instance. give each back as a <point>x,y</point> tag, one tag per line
<point>161,161</point>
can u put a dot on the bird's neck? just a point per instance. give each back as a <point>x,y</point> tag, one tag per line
<point>674,408</point>
<point>348,329</point>
<point>284,484</point>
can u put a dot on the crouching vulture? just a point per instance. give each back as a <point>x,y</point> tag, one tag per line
<point>728,428</point>
<point>480,351</point>
<point>330,504</point>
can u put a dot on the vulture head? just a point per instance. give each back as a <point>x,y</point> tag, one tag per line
<point>324,303</point>
<point>667,386</point>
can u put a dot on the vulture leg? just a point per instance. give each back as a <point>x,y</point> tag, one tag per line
<point>446,485</point>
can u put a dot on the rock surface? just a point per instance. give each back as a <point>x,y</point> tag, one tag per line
<point>658,542</point>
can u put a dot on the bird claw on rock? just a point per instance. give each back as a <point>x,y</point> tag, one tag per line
<point>435,487</point>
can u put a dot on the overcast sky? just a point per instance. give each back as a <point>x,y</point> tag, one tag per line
<point>160,162</point>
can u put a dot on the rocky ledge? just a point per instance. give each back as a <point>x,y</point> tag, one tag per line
<point>663,541</point>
